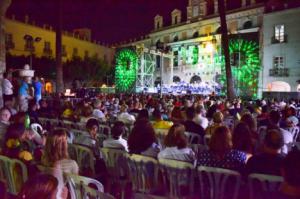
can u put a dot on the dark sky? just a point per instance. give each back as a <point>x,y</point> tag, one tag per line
<point>110,20</point>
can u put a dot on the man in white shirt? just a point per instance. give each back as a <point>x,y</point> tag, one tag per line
<point>116,141</point>
<point>200,117</point>
<point>7,88</point>
<point>97,113</point>
<point>124,116</point>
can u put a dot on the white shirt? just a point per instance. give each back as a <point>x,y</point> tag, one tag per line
<point>126,118</point>
<point>7,87</point>
<point>98,114</point>
<point>202,121</point>
<point>287,140</point>
<point>185,154</point>
<point>116,144</point>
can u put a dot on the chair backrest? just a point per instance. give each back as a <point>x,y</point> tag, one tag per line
<point>198,148</point>
<point>68,124</point>
<point>104,129</point>
<point>295,132</point>
<point>178,177</point>
<point>80,187</point>
<point>77,133</point>
<point>115,161</point>
<point>260,184</point>
<point>193,138</point>
<point>206,139</point>
<point>217,183</point>
<point>161,134</point>
<point>15,173</point>
<point>143,171</point>
<point>83,156</point>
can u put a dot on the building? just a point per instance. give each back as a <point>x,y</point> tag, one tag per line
<point>281,51</point>
<point>194,44</point>
<point>26,38</point>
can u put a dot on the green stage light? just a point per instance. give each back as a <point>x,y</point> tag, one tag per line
<point>126,67</point>
<point>245,71</point>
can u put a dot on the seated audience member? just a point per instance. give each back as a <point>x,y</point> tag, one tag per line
<point>117,141</point>
<point>143,115</point>
<point>68,112</point>
<point>176,115</point>
<point>124,116</point>
<point>218,118</point>
<point>4,123</point>
<point>159,123</point>
<point>33,111</point>
<point>86,114</point>
<point>190,125</point>
<point>248,119</point>
<point>274,118</point>
<point>97,112</point>
<point>292,121</point>
<point>176,145</point>
<point>56,152</point>
<point>142,139</point>
<point>220,153</point>
<point>200,117</point>
<point>42,186</point>
<point>242,139</point>
<point>269,161</point>
<point>44,110</point>
<point>290,188</point>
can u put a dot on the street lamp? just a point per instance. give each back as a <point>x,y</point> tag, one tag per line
<point>31,40</point>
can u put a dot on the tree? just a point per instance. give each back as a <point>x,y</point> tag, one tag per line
<point>225,46</point>
<point>59,66</point>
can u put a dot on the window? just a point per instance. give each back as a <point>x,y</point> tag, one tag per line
<point>47,48</point>
<point>29,45</point>
<point>63,51</point>
<point>195,11</point>
<point>278,62</point>
<point>86,54</point>
<point>175,20</point>
<point>279,33</point>
<point>9,41</point>
<point>75,52</point>
<point>175,38</point>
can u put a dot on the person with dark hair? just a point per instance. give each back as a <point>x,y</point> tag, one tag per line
<point>176,145</point>
<point>220,153</point>
<point>242,139</point>
<point>176,115</point>
<point>248,119</point>
<point>200,117</point>
<point>4,123</point>
<point>269,161</point>
<point>41,186</point>
<point>143,115</point>
<point>190,125</point>
<point>142,139</point>
<point>116,141</point>
<point>159,123</point>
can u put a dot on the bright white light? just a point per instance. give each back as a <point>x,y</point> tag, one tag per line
<point>209,47</point>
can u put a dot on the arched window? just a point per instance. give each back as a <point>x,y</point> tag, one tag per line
<point>196,34</point>
<point>279,86</point>
<point>247,25</point>
<point>175,38</point>
<point>176,79</point>
<point>195,79</point>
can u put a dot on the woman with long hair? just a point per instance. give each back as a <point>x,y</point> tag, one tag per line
<point>220,153</point>
<point>242,139</point>
<point>176,145</point>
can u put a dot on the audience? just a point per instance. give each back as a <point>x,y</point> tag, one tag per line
<point>218,118</point>
<point>97,112</point>
<point>4,123</point>
<point>200,117</point>
<point>176,145</point>
<point>158,122</point>
<point>190,125</point>
<point>242,139</point>
<point>124,116</point>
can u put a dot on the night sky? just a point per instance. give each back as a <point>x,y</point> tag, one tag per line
<point>110,20</point>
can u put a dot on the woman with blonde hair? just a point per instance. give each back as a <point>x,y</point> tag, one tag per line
<point>220,153</point>
<point>56,152</point>
<point>218,118</point>
<point>176,145</point>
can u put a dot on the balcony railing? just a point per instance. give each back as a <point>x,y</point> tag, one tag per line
<point>277,40</point>
<point>279,72</point>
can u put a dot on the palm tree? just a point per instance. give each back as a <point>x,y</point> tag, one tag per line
<point>59,66</point>
<point>225,46</point>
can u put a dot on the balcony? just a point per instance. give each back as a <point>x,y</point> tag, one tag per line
<point>275,40</point>
<point>279,72</point>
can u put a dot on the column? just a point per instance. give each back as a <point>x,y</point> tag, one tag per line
<point>216,9</point>
<point>172,67</point>
<point>203,8</point>
<point>4,4</point>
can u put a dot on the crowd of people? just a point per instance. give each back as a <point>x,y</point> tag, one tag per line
<point>257,136</point>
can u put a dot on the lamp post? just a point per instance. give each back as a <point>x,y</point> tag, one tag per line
<point>31,40</point>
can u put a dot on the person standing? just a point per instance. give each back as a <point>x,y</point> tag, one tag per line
<point>23,96</point>
<point>37,85</point>
<point>7,89</point>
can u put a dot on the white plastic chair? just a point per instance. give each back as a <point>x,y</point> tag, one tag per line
<point>15,173</point>
<point>79,188</point>
<point>193,138</point>
<point>83,156</point>
<point>143,172</point>
<point>295,132</point>
<point>261,183</point>
<point>104,129</point>
<point>177,175</point>
<point>217,181</point>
